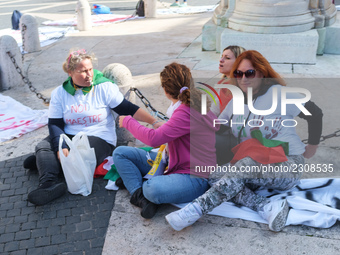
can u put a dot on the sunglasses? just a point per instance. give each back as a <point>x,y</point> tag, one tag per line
<point>250,74</point>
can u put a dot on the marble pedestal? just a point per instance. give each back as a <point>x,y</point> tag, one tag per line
<point>293,48</point>
<point>281,48</point>
<point>332,38</point>
<point>283,31</point>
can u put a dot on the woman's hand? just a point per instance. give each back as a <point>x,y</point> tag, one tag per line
<point>65,152</point>
<point>121,119</point>
<point>310,150</point>
<point>158,124</point>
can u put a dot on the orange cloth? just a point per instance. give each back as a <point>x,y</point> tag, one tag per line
<point>258,152</point>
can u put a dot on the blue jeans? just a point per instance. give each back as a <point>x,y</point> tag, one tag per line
<point>131,164</point>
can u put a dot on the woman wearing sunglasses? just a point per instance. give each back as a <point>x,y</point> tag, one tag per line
<point>260,137</point>
<point>82,103</point>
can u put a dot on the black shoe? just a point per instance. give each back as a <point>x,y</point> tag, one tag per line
<point>47,192</point>
<point>120,184</point>
<point>149,209</point>
<point>30,162</point>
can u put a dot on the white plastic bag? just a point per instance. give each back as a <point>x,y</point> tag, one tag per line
<point>79,165</point>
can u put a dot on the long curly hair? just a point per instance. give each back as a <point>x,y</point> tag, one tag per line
<point>176,76</point>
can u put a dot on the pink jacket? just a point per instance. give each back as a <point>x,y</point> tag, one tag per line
<point>184,125</point>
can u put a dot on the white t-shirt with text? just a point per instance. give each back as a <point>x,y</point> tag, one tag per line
<point>90,113</point>
<point>273,126</point>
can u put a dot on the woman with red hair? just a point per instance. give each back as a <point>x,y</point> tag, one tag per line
<point>265,143</point>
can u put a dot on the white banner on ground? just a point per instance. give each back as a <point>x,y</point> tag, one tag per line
<point>17,119</point>
<point>187,10</point>
<point>97,20</point>
<point>47,35</point>
<point>315,203</point>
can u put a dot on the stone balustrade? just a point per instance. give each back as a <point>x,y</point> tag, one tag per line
<point>274,16</point>
<point>275,28</point>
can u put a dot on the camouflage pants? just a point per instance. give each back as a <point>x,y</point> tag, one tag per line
<point>238,186</point>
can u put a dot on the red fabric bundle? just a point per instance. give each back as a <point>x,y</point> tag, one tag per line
<point>254,149</point>
<point>100,170</point>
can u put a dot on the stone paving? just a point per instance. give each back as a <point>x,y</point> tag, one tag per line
<point>71,224</point>
<point>78,225</point>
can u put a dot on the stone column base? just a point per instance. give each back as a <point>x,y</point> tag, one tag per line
<point>295,48</point>
<point>209,36</point>
<point>332,40</point>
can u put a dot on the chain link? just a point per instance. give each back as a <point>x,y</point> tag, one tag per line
<point>148,105</point>
<point>139,94</point>
<point>26,80</point>
<point>325,137</point>
<point>160,115</point>
<point>23,30</point>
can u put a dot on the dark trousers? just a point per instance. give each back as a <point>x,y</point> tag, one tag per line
<point>223,152</point>
<point>48,163</point>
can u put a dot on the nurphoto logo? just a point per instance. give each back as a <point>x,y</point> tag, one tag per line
<point>238,99</point>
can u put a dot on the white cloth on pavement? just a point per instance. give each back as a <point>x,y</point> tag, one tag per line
<point>314,202</point>
<point>17,119</point>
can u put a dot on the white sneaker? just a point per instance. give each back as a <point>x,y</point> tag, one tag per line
<point>276,214</point>
<point>184,217</point>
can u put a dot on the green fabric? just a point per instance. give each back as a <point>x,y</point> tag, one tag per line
<point>113,175</point>
<point>146,148</point>
<point>257,134</point>
<point>98,78</point>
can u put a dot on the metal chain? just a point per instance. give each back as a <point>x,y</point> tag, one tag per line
<point>148,105</point>
<point>23,30</point>
<point>162,116</point>
<point>27,81</point>
<point>325,137</point>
